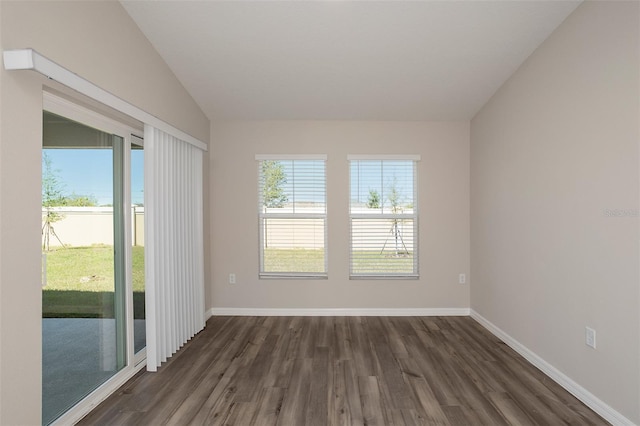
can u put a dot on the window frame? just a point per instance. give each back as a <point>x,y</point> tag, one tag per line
<point>262,215</point>
<point>415,273</point>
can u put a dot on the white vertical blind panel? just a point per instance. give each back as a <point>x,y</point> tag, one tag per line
<point>150,230</point>
<point>174,252</point>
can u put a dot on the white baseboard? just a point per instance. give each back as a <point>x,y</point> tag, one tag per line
<point>589,399</point>
<point>208,314</point>
<point>338,312</point>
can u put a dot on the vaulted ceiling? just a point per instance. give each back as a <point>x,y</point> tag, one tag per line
<point>345,60</point>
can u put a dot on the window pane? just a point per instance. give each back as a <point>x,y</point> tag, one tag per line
<point>382,246</point>
<point>293,245</point>
<point>386,245</point>
<point>292,211</point>
<point>82,322</point>
<point>137,263</point>
<point>292,186</point>
<point>382,186</point>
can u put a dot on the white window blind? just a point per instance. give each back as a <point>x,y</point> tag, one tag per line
<point>383,217</point>
<point>174,256</point>
<point>292,212</point>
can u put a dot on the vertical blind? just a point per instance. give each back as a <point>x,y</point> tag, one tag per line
<point>292,212</point>
<point>174,257</point>
<point>383,217</point>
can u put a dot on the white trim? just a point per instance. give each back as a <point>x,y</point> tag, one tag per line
<point>75,112</point>
<point>208,314</point>
<point>339,312</point>
<point>18,60</point>
<point>384,276</point>
<point>127,248</point>
<point>294,275</point>
<point>95,398</point>
<point>412,157</point>
<point>399,216</point>
<point>589,399</point>
<point>267,157</point>
<point>276,215</point>
<point>29,59</point>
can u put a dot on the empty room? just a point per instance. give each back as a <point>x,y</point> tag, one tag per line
<point>319,212</point>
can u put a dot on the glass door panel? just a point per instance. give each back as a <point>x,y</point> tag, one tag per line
<point>137,232</point>
<point>83,296</point>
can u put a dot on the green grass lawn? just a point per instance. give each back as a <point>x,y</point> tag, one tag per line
<point>298,260</point>
<point>80,282</point>
<point>387,262</point>
<point>89,268</point>
<point>303,260</point>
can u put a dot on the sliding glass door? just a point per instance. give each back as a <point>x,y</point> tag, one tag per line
<point>90,267</point>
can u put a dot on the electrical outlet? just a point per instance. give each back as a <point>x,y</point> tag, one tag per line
<point>590,337</point>
<point>462,278</point>
<point>232,278</point>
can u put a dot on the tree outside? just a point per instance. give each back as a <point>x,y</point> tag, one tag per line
<point>273,179</point>
<point>373,202</point>
<point>76,200</point>
<point>395,200</point>
<point>52,196</point>
<point>273,195</point>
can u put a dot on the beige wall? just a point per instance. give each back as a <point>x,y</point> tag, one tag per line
<point>552,151</point>
<point>98,41</point>
<point>443,202</point>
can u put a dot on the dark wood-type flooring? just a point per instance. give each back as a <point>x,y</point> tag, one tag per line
<point>296,371</point>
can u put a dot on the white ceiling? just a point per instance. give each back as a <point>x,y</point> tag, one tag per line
<point>345,60</point>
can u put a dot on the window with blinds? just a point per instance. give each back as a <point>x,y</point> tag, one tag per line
<point>384,217</point>
<point>292,211</point>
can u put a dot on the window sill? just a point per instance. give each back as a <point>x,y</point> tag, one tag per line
<point>384,277</point>
<point>291,276</point>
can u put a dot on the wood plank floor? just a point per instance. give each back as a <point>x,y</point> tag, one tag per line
<point>294,371</point>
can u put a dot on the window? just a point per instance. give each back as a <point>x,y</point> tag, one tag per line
<point>292,211</point>
<point>383,216</point>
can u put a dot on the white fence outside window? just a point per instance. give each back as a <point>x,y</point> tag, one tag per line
<point>86,226</point>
